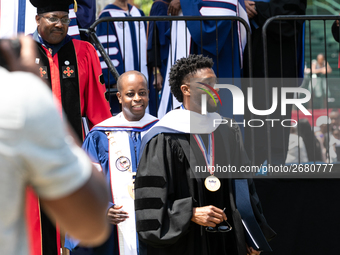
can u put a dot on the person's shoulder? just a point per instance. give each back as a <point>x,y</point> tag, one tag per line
<point>229,124</point>
<point>110,7</point>
<point>161,3</point>
<point>109,122</point>
<point>170,138</point>
<point>141,12</point>
<point>104,13</point>
<point>36,89</point>
<point>109,11</point>
<point>230,128</point>
<point>133,8</point>
<point>96,134</point>
<point>166,142</point>
<point>85,48</point>
<point>82,43</point>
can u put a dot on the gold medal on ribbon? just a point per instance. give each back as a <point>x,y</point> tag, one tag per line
<point>212,183</point>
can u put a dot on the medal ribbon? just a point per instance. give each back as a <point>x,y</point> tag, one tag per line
<point>209,156</point>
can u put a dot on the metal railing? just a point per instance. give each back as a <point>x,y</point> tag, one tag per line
<point>293,19</point>
<point>278,19</point>
<point>201,19</point>
<point>92,31</point>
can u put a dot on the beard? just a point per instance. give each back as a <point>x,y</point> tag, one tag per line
<point>212,108</point>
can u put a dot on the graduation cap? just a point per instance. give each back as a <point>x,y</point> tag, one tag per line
<point>52,5</point>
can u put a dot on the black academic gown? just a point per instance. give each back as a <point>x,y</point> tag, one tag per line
<point>335,31</point>
<point>166,193</point>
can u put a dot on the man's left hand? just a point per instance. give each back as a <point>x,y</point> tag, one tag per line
<point>251,251</point>
<point>250,8</point>
<point>174,7</point>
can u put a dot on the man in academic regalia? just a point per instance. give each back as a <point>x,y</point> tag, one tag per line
<point>126,43</point>
<point>113,145</point>
<point>17,16</point>
<point>71,69</point>
<point>180,210</point>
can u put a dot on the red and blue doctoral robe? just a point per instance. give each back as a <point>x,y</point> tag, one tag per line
<point>73,72</point>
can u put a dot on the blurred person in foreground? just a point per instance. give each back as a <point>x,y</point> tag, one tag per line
<point>37,152</point>
<point>113,146</point>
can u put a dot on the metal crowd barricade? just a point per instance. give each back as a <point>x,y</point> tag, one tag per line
<point>96,42</point>
<point>308,32</point>
<point>201,19</point>
<point>92,33</point>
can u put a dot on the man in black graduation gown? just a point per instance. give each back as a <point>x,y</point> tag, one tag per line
<point>173,205</point>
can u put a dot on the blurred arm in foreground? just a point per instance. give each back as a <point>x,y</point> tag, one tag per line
<point>36,149</point>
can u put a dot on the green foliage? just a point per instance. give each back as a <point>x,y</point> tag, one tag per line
<point>144,5</point>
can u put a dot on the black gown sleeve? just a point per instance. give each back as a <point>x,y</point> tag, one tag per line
<point>335,31</point>
<point>163,204</point>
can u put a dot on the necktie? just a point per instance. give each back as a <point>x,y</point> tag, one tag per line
<point>134,136</point>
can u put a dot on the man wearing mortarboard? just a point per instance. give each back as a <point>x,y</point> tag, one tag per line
<point>72,70</point>
<point>71,67</point>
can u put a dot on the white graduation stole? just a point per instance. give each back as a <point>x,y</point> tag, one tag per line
<point>122,187</point>
<point>179,47</point>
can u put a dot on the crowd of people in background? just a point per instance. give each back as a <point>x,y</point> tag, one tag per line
<point>318,143</point>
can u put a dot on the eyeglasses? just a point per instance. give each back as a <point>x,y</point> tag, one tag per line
<point>55,20</point>
<point>222,227</point>
<point>212,85</point>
